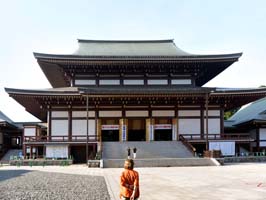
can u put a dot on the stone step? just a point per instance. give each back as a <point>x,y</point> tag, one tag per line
<point>11,153</point>
<point>155,149</point>
<point>162,162</point>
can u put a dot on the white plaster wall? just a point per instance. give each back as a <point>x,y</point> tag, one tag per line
<point>158,82</point>
<point>189,126</point>
<point>109,82</point>
<point>58,151</point>
<point>82,114</point>
<point>189,113</point>
<point>137,113</point>
<point>29,131</point>
<point>85,82</point>
<point>59,114</point>
<point>108,113</point>
<point>133,82</point>
<point>262,137</point>
<point>59,128</point>
<point>212,113</point>
<point>181,81</point>
<point>79,127</point>
<point>214,126</point>
<point>163,113</point>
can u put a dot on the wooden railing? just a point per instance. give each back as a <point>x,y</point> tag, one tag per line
<point>187,144</point>
<point>225,136</point>
<point>73,138</point>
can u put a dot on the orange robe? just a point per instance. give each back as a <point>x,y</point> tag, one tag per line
<point>129,177</point>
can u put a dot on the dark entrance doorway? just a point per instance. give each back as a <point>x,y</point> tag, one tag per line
<point>110,135</point>
<point>163,135</point>
<point>78,153</point>
<point>136,130</point>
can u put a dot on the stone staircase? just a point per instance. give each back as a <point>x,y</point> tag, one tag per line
<point>11,153</point>
<point>152,154</point>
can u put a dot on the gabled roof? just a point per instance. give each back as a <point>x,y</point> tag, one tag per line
<point>93,56</point>
<point>253,111</point>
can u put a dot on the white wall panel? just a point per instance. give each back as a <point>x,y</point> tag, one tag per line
<point>30,131</point>
<point>214,126</point>
<point>79,127</point>
<point>85,82</point>
<point>82,114</point>
<point>109,82</point>
<point>163,113</point>
<point>59,114</point>
<point>108,113</point>
<point>133,82</point>
<point>189,113</point>
<point>157,82</point>
<point>59,127</point>
<point>58,151</point>
<point>137,113</point>
<point>181,81</point>
<point>189,126</point>
<point>212,113</point>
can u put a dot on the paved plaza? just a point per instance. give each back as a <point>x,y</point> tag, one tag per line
<point>230,182</point>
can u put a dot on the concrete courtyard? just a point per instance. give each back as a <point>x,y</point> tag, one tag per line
<point>230,182</point>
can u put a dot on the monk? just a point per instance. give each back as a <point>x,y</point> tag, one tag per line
<point>129,182</point>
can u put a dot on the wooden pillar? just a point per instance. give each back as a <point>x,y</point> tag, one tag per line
<point>24,151</point>
<point>174,129</point>
<point>30,152</point>
<point>149,129</point>
<point>49,132</point>
<point>202,124</point>
<point>222,121</point>
<point>257,139</point>
<point>70,125</point>
<point>207,121</point>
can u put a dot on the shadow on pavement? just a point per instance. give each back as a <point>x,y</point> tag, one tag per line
<point>9,174</point>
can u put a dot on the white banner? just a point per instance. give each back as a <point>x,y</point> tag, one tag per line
<point>227,148</point>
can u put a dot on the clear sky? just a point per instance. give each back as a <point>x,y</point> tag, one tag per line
<point>197,26</point>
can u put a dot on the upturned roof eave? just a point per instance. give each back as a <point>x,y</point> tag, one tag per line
<point>234,56</point>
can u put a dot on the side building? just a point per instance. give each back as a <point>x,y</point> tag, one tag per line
<point>121,91</point>
<point>251,120</point>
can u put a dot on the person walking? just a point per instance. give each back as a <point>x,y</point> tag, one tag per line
<point>128,153</point>
<point>129,182</point>
<point>134,152</point>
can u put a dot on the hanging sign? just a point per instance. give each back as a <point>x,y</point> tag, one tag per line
<point>110,127</point>
<point>162,126</point>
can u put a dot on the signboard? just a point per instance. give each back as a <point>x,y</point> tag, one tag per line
<point>162,126</point>
<point>110,127</point>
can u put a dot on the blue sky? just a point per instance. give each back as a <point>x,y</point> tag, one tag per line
<point>197,26</point>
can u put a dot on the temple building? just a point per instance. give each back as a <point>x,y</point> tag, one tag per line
<point>126,91</point>
<point>10,134</point>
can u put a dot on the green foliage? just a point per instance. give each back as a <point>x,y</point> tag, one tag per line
<point>230,113</point>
